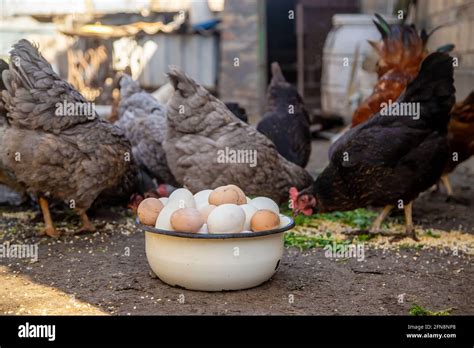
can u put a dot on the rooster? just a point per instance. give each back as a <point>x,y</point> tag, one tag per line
<point>460,138</point>
<point>400,52</point>
<point>389,160</point>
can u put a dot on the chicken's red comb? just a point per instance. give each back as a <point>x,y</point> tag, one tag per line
<point>294,194</point>
<point>134,202</point>
<point>162,190</point>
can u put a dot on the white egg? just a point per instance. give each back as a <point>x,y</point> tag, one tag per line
<point>202,198</point>
<point>249,210</point>
<point>182,198</point>
<point>265,203</point>
<point>163,220</point>
<point>226,218</point>
<point>163,200</point>
<point>283,221</point>
<point>203,229</point>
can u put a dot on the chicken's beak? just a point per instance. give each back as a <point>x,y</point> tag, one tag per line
<point>308,208</point>
<point>314,204</point>
<point>297,211</point>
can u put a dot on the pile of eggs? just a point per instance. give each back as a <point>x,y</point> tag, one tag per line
<point>224,210</point>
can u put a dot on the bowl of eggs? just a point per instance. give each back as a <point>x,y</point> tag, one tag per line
<point>214,240</point>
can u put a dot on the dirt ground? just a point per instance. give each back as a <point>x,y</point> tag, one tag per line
<point>107,272</point>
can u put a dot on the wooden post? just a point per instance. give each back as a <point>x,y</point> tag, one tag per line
<point>300,48</point>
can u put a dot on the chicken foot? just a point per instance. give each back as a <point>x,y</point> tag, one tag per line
<point>447,185</point>
<point>378,221</point>
<point>49,228</point>
<point>409,228</point>
<point>375,228</point>
<point>449,191</point>
<point>87,226</point>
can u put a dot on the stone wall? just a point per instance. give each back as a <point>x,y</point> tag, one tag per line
<point>457,16</point>
<point>243,38</point>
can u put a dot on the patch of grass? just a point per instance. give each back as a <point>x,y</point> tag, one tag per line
<point>359,218</point>
<point>418,310</point>
<point>365,237</point>
<point>304,242</point>
<point>410,246</point>
<point>430,233</point>
<point>303,220</point>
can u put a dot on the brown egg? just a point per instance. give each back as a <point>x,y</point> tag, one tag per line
<point>229,194</point>
<point>206,210</point>
<point>187,220</point>
<point>264,220</point>
<point>148,211</point>
<point>242,197</point>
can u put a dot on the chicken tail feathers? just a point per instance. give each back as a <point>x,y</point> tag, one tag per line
<point>25,58</point>
<point>445,48</point>
<point>433,90</point>
<point>382,26</point>
<point>3,72</point>
<point>185,85</point>
<point>3,67</point>
<point>277,75</point>
<point>128,86</point>
<point>34,92</point>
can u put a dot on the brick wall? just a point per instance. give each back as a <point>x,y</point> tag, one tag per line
<point>458,18</point>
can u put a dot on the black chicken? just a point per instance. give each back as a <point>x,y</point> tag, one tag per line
<point>286,122</point>
<point>238,111</point>
<point>389,160</point>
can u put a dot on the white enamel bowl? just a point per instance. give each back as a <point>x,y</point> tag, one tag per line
<point>215,262</point>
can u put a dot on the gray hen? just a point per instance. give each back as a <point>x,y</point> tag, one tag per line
<point>7,178</point>
<point>71,156</point>
<point>202,137</point>
<point>143,120</point>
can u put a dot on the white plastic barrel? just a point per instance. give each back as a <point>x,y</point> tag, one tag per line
<point>349,35</point>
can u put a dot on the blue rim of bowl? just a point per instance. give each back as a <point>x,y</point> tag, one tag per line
<point>214,235</point>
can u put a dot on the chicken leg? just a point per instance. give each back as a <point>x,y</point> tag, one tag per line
<point>447,185</point>
<point>409,229</point>
<point>375,228</point>
<point>49,228</point>
<point>87,226</point>
<point>449,190</point>
<point>378,221</point>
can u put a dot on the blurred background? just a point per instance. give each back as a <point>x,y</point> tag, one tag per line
<point>228,45</point>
